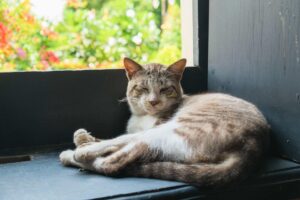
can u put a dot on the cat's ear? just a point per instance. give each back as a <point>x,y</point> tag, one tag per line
<point>131,67</point>
<point>178,68</point>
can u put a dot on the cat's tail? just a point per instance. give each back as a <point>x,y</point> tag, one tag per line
<point>216,174</point>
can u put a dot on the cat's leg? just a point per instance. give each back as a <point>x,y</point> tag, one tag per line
<point>162,141</point>
<point>80,138</point>
<point>152,147</point>
<point>67,158</point>
<point>163,138</point>
<point>89,152</point>
<point>117,161</point>
<point>108,165</point>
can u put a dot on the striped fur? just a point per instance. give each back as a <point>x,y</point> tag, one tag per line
<point>207,139</point>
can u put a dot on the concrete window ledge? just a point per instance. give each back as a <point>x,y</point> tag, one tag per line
<point>45,178</point>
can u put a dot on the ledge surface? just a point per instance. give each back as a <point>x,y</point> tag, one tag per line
<point>45,178</point>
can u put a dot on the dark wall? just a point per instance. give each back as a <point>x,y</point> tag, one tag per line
<point>45,108</point>
<point>254,53</point>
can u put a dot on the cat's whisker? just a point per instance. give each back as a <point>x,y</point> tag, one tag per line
<point>123,100</point>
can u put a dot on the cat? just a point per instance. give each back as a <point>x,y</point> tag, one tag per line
<point>209,139</point>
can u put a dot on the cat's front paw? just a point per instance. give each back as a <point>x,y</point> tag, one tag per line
<point>81,137</point>
<point>66,157</point>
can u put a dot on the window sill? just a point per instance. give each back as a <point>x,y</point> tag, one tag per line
<point>45,178</point>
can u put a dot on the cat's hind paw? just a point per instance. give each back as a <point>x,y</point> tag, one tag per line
<point>84,154</point>
<point>66,157</point>
<point>81,136</point>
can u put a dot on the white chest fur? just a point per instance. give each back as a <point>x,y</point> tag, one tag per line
<point>140,123</point>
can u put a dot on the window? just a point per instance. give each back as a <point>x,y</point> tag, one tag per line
<point>87,34</point>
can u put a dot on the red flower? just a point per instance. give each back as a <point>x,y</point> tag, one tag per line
<point>49,56</point>
<point>52,57</point>
<point>3,35</point>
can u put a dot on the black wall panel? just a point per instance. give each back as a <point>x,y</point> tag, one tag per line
<point>254,53</point>
<point>45,108</point>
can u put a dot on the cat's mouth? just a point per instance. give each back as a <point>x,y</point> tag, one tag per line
<point>152,110</point>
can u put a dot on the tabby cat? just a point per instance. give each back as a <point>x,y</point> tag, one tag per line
<point>208,139</point>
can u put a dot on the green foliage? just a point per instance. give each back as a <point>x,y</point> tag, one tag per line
<point>170,39</point>
<point>92,34</point>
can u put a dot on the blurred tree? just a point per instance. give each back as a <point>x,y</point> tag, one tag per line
<point>92,34</point>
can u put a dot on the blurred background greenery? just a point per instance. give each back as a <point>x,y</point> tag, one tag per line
<point>92,34</point>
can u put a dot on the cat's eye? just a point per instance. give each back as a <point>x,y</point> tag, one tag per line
<point>142,89</point>
<point>145,89</point>
<point>167,90</point>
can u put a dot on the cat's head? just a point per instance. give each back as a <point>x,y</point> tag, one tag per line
<point>153,88</point>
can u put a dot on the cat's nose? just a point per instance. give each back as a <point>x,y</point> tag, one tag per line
<point>154,102</point>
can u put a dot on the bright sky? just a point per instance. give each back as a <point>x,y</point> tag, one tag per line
<point>48,9</point>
